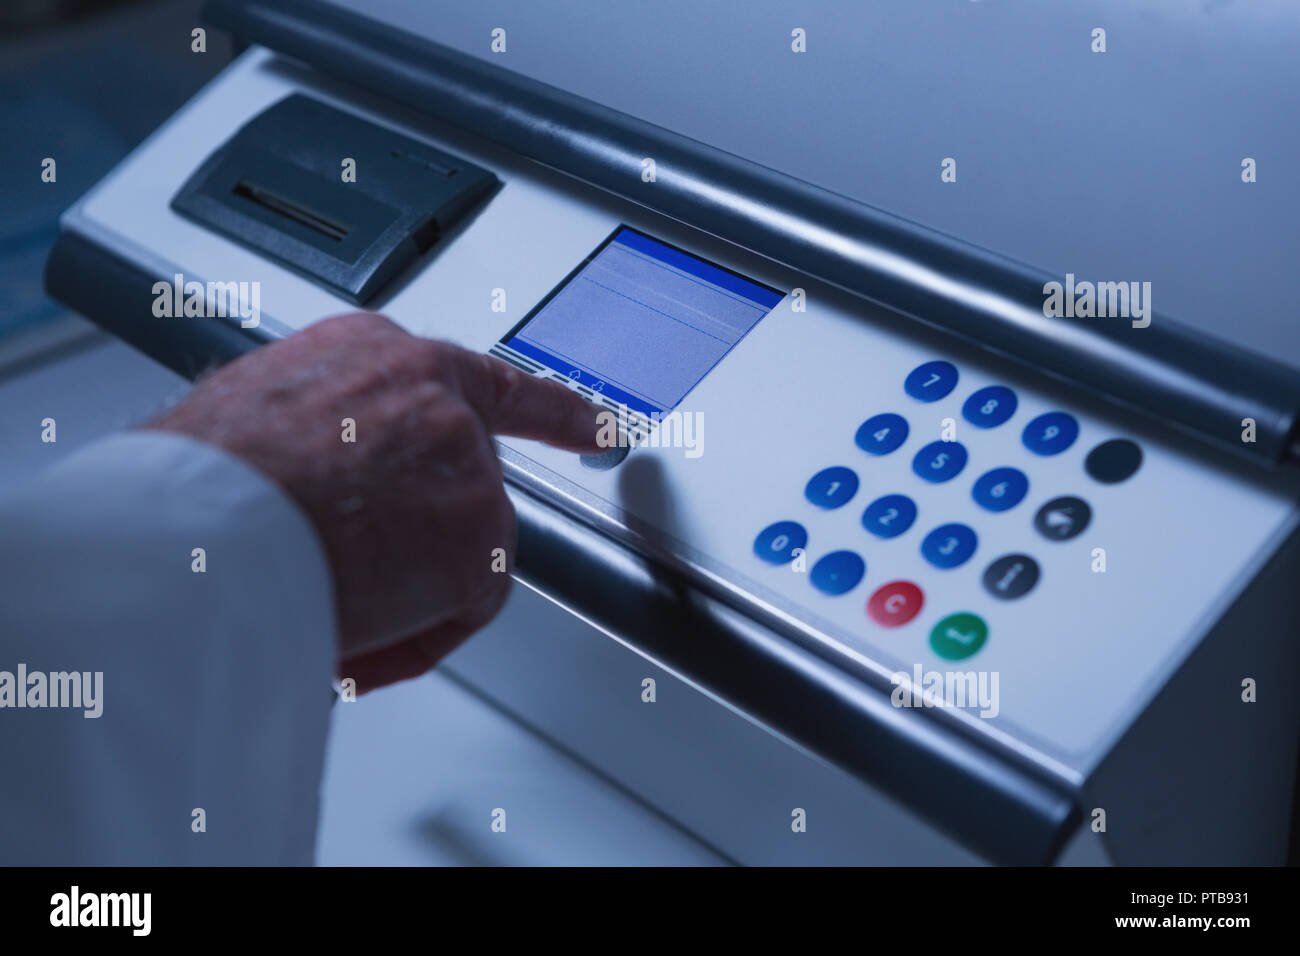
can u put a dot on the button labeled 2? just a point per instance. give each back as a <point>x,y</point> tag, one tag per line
<point>889,516</point>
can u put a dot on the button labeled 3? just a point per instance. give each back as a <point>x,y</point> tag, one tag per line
<point>949,545</point>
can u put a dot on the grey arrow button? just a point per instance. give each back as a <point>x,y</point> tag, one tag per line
<point>1063,518</point>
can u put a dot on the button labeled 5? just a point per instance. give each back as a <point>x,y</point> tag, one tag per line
<point>940,461</point>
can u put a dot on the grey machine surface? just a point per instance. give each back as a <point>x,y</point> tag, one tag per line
<point>868,455</point>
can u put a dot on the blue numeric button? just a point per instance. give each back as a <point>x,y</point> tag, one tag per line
<point>990,406</point>
<point>889,516</point>
<point>940,461</point>
<point>1000,489</point>
<point>777,543</point>
<point>831,487</point>
<point>931,381</point>
<point>949,545</point>
<point>838,572</point>
<point>1050,433</point>
<point>881,434</point>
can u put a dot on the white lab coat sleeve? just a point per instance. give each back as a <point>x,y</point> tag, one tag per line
<point>215,696</point>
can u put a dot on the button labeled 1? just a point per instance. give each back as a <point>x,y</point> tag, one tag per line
<point>831,487</point>
<point>895,603</point>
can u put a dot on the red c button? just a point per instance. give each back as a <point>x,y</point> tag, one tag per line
<point>895,603</point>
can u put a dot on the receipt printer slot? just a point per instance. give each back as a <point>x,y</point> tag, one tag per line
<point>344,202</point>
<point>283,206</point>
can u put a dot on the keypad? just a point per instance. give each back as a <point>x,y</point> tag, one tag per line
<point>949,546</point>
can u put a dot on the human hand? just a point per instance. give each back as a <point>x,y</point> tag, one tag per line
<point>412,511</point>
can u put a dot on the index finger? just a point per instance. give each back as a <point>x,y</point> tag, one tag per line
<point>511,402</point>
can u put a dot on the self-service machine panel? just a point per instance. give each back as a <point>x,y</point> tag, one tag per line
<point>992,557</point>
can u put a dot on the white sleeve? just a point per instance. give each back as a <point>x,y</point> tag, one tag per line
<point>203,695</point>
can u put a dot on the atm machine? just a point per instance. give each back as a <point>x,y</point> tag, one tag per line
<point>895,561</point>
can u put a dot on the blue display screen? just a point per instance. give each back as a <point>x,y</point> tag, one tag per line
<point>642,322</point>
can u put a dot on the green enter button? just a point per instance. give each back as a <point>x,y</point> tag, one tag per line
<point>958,636</point>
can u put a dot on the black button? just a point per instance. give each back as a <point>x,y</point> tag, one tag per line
<point>1011,576</point>
<point>1063,518</point>
<point>1113,461</point>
